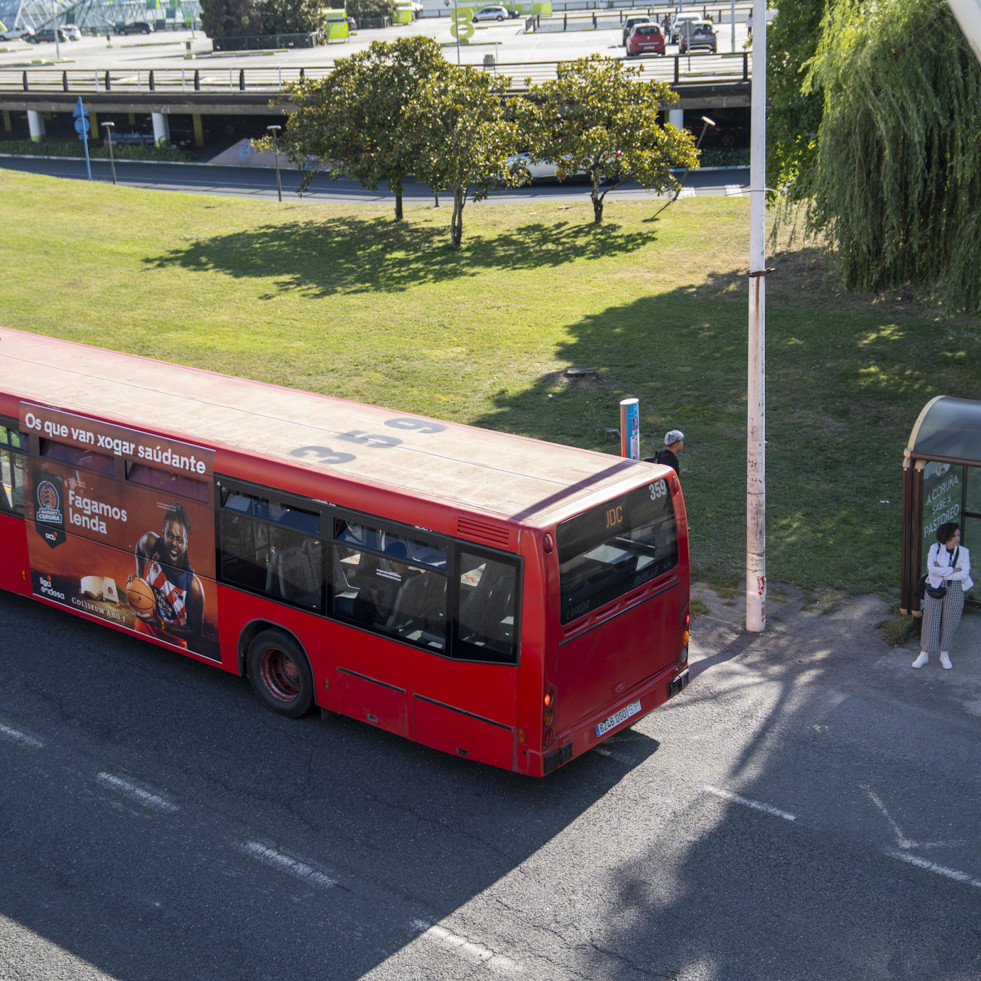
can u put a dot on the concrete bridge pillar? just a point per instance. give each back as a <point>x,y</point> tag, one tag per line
<point>35,122</point>
<point>161,128</point>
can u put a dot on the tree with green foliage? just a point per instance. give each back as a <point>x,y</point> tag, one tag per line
<point>599,119</point>
<point>895,182</point>
<point>354,119</point>
<point>292,16</point>
<point>467,133</point>
<point>362,10</point>
<point>230,18</point>
<point>794,116</point>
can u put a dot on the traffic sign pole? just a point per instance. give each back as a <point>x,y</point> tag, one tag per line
<point>82,127</point>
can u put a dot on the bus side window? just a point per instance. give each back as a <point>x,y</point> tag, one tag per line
<point>379,583</point>
<point>12,482</point>
<point>173,484</point>
<point>485,627</point>
<point>75,456</point>
<point>269,558</point>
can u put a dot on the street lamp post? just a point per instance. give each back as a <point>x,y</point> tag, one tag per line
<point>275,138</point>
<point>706,124</point>
<point>756,360</point>
<point>112,163</point>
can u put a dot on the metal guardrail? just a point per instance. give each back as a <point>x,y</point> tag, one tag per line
<point>703,68</point>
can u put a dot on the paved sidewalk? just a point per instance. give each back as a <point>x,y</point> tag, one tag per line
<point>837,642</point>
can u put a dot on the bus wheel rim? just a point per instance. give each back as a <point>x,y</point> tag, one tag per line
<point>280,675</point>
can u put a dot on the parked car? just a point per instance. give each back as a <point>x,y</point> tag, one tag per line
<point>631,22</point>
<point>491,13</point>
<point>645,39</point>
<point>677,24</point>
<point>39,37</point>
<point>17,34</point>
<point>137,27</point>
<point>698,36</point>
<point>74,34</point>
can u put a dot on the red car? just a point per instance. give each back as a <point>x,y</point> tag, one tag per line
<point>645,39</point>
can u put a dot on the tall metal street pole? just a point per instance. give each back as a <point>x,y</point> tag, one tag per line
<point>756,384</point>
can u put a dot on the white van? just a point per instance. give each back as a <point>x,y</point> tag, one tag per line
<point>678,20</point>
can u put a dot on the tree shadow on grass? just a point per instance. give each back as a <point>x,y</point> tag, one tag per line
<point>349,254</point>
<point>841,391</point>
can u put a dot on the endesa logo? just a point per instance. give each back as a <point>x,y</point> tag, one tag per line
<point>48,503</point>
<point>48,589</point>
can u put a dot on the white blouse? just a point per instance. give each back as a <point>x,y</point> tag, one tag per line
<point>939,566</point>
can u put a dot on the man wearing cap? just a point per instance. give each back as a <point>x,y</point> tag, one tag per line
<point>674,442</point>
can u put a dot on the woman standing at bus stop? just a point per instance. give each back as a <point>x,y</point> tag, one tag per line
<point>948,565</point>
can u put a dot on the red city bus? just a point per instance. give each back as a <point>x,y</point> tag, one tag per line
<point>499,598</point>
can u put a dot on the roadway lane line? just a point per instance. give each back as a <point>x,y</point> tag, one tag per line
<point>924,863</point>
<point>20,738</point>
<point>754,804</point>
<point>286,863</point>
<point>136,793</point>
<point>457,944</point>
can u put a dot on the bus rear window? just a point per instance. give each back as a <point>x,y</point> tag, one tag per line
<point>609,550</point>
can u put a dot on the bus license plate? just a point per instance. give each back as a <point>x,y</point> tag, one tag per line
<point>614,720</point>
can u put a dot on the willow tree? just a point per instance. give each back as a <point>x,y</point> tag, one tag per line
<point>896,182</point>
<point>794,116</point>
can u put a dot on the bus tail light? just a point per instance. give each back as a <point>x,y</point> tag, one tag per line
<point>548,716</point>
<point>685,633</point>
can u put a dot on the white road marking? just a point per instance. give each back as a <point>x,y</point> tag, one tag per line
<point>291,866</point>
<point>754,804</point>
<point>137,794</point>
<point>21,738</point>
<point>472,951</point>
<point>924,863</point>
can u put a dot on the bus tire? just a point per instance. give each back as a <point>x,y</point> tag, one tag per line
<point>279,673</point>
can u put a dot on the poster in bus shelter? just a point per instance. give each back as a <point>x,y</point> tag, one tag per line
<point>941,498</point>
<point>120,527</point>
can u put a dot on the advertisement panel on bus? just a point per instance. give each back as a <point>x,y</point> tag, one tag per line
<point>120,527</point>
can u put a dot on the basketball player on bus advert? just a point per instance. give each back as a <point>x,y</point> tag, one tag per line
<point>172,609</point>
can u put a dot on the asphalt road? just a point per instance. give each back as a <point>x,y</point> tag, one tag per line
<point>803,812</point>
<point>260,182</point>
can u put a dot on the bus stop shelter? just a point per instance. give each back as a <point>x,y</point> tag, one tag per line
<point>941,483</point>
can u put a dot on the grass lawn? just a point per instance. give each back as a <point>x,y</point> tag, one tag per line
<point>342,300</point>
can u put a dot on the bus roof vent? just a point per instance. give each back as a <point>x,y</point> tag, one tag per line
<point>484,531</point>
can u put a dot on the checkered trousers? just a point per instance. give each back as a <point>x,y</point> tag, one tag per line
<point>940,618</point>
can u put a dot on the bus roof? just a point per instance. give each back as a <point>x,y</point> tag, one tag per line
<point>511,477</point>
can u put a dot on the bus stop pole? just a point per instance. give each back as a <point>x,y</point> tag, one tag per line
<point>630,428</point>
<point>756,362</point>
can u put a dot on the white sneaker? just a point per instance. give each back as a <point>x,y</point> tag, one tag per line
<point>921,660</point>
<point>945,660</point>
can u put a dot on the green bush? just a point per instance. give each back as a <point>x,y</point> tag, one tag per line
<point>74,148</point>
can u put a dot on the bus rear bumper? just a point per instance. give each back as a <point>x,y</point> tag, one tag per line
<point>678,684</point>
<point>586,734</point>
